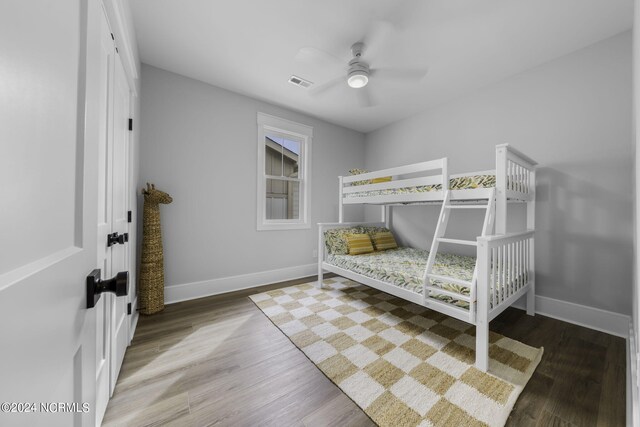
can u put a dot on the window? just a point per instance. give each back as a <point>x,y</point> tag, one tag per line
<point>284,160</point>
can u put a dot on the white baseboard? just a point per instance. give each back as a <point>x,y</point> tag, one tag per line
<point>593,318</point>
<point>205,288</point>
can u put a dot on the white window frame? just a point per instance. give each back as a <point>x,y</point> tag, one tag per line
<point>266,124</point>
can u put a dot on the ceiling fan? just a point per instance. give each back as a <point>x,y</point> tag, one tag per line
<point>358,73</point>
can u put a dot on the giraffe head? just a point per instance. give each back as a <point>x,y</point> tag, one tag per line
<point>156,196</point>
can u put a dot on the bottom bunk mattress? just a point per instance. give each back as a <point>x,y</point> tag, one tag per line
<point>404,267</point>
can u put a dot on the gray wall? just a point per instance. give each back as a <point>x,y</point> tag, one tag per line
<point>199,143</point>
<point>573,115</point>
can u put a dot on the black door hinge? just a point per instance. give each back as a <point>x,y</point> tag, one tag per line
<point>130,124</point>
<point>128,216</point>
<point>112,38</point>
<point>129,308</point>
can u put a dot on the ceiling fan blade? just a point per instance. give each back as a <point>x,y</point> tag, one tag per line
<point>415,74</point>
<point>324,87</point>
<point>317,56</point>
<point>364,97</point>
<point>375,38</point>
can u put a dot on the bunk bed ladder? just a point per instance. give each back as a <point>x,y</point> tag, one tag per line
<point>441,228</point>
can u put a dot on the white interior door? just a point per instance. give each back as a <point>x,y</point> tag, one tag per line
<point>119,221</point>
<point>49,128</point>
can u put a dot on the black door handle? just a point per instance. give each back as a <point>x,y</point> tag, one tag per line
<point>115,238</point>
<point>119,285</point>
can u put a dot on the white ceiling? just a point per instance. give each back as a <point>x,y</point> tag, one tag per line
<point>249,46</point>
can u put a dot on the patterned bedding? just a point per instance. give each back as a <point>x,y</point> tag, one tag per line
<point>459,183</point>
<point>404,267</point>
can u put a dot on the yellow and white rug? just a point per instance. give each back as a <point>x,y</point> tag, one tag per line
<point>403,364</point>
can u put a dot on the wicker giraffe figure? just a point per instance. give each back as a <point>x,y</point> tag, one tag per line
<point>152,262</point>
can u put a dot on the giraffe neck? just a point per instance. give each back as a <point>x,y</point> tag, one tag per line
<point>151,233</point>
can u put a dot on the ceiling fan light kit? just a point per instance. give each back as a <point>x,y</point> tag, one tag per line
<point>358,80</point>
<point>358,75</point>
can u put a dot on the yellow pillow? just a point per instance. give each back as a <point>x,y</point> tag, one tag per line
<point>384,240</point>
<point>359,244</point>
<point>383,179</point>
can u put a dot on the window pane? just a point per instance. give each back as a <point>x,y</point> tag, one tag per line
<point>282,199</point>
<point>282,156</point>
<point>273,156</point>
<point>291,156</point>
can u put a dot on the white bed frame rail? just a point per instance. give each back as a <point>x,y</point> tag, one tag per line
<point>505,273</point>
<point>515,180</point>
<point>431,167</point>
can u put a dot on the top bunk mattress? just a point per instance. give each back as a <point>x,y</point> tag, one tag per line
<point>466,182</point>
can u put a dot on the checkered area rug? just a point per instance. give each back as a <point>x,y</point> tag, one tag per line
<point>403,364</point>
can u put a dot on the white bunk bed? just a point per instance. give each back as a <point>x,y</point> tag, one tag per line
<point>504,265</point>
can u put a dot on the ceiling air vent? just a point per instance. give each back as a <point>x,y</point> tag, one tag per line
<point>298,81</point>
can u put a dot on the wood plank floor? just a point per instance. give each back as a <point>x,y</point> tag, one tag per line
<point>219,361</point>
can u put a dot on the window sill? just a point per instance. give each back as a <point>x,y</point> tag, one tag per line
<point>283,226</point>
